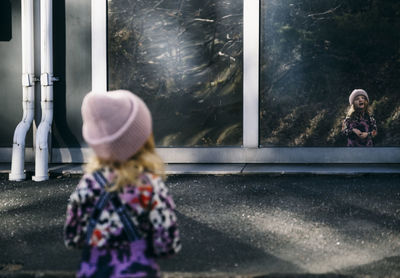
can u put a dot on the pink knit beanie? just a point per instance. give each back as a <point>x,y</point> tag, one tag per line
<point>355,93</point>
<point>116,124</point>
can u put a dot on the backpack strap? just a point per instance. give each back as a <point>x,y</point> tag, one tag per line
<point>129,228</point>
<point>150,204</point>
<point>100,205</point>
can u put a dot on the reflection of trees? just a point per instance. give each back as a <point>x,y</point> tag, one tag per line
<point>313,54</point>
<point>185,59</point>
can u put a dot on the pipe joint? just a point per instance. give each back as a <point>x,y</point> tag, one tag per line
<point>28,105</point>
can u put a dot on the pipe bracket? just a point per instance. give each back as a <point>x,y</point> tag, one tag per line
<point>28,79</point>
<point>47,79</point>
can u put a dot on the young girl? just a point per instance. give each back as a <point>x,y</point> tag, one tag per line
<point>359,125</point>
<point>121,213</point>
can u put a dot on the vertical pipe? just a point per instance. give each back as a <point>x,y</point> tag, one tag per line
<point>28,92</point>
<point>46,81</point>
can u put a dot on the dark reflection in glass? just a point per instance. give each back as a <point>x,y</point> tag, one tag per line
<point>313,54</point>
<point>184,58</point>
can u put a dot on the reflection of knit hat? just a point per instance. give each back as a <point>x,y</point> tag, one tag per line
<point>357,92</point>
<point>116,124</point>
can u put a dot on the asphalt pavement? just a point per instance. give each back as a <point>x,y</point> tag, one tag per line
<point>231,226</point>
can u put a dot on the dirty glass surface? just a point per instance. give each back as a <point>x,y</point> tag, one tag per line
<point>313,54</point>
<point>184,58</point>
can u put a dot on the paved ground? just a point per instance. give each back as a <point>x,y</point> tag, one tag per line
<point>231,226</point>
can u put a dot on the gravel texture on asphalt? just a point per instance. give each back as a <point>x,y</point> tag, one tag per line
<point>231,226</point>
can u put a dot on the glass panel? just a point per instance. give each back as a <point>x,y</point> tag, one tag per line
<point>184,58</point>
<point>313,54</point>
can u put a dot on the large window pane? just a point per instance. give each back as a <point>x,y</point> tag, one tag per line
<point>313,54</point>
<point>184,58</point>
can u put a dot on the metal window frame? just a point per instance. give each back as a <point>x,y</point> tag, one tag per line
<point>251,39</point>
<point>250,152</point>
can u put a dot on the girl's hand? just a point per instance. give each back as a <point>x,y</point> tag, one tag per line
<point>363,135</point>
<point>357,132</point>
<point>374,133</point>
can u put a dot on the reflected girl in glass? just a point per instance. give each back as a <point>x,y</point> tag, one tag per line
<point>359,126</point>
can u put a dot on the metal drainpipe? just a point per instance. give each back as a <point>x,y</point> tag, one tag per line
<point>46,81</point>
<point>28,92</point>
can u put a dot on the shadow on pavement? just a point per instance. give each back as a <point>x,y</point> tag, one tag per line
<point>205,249</point>
<point>387,267</point>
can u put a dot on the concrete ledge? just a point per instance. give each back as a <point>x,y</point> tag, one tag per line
<point>322,169</point>
<point>207,169</point>
<point>65,274</point>
<point>229,155</point>
<point>239,169</point>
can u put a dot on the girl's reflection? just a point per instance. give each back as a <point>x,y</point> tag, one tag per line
<point>359,126</point>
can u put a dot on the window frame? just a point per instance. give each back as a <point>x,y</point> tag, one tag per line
<point>250,152</point>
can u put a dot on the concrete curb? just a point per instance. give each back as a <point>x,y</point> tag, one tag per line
<point>238,169</point>
<point>66,274</point>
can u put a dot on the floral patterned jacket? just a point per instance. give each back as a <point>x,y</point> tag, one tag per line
<point>364,123</point>
<point>150,205</point>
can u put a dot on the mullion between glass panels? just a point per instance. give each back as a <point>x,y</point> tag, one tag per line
<point>99,45</point>
<point>251,25</point>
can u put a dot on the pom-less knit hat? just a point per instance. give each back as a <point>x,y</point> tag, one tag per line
<point>116,124</point>
<point>355,93</point>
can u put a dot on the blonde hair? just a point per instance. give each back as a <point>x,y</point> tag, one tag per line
<point>351,110</point>
<point>128,172</point>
